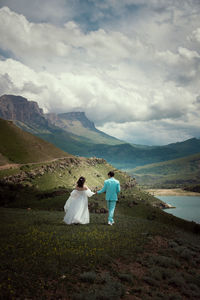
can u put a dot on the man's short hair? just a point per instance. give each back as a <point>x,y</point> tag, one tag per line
<point>111,174</point>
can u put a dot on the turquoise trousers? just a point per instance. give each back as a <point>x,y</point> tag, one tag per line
<point>111,209</point>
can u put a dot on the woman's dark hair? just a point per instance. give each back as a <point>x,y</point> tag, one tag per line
<point>111,174</point>
<point>81,181</point>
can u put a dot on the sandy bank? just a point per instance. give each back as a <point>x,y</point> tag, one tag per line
<point>171,192</point>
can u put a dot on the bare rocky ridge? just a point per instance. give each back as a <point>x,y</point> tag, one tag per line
<point>79,116</point>
<point>20,109</point>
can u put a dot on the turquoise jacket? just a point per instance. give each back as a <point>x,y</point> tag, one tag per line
<point>112,188</point>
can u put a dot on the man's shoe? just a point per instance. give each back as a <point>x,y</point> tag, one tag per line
<point>109,223</point>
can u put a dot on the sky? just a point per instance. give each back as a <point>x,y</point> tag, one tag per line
<point>133,66</point>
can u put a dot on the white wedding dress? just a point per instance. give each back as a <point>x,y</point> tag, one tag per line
<point>76,207</point>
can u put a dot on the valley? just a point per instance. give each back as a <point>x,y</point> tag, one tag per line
<point>74,133</point>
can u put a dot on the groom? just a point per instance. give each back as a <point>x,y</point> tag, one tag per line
<point>112,188</point>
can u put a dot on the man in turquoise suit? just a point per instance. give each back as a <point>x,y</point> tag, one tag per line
<point>111,188</point>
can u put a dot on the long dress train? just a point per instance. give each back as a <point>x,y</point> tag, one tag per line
<point>76,207</point>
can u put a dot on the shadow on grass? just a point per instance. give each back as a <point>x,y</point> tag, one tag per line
<point>20,196</point>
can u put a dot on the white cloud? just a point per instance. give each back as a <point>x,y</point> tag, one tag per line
<point>154,132</point>
<point>49,11</point>
<point>186,53</point>
<point>135,74</point>
<point>31,42</point>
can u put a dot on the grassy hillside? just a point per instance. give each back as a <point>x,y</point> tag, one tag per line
<point>3,160</point>
<point>63,173</point>
<point>147,254</point>
<point>18,146</point>
<point>175,172</point>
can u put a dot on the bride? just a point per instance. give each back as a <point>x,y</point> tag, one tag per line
<point>76,207</point>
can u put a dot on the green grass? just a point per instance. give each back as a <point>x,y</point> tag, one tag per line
<point>42,257</point>
<point>3,160</point>
<point>171,173</point>
<point>186,164</point>
<point>8,172</point>
<point>55,176</point>
<point>68,177</point>
<point>40,247</point>
<point>19,146</point>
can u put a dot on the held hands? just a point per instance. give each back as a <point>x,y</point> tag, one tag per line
<point>95,190</point>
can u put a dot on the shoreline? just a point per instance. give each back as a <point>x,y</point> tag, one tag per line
<point>171,192</point>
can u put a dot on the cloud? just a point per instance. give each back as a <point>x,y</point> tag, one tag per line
<point>135,72</point>
<point>153,132</point>
<point>31,42</point>
<point>45,11</point>
<point>186,53</point>
<point>196,35</point>
<point>6,84</point>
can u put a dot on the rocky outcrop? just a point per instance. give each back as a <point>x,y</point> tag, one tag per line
<point>67,119</point>
<point>129,184</point>
<point>78,116</point>
<point>20,109</point>
<point>163,205</point>
<point>26,175</point>
<point>94,161</point>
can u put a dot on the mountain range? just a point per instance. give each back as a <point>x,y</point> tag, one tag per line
<point>74,133</point>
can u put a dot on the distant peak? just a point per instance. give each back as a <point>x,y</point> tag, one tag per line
<point>73,114</point>
<point>78,116</point>
<point>18,108</point>
<point>18,100</point>
<point>14,98</point>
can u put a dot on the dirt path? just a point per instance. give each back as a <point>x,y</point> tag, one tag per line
<point>9,166</point>
<point>171,192</point>
<point>14,166</point>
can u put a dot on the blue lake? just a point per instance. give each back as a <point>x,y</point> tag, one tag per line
<point>187,207</point>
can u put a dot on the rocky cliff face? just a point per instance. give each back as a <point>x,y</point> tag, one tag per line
<point>77,116</point>
<point>20,109</point>
<point>66,120</point>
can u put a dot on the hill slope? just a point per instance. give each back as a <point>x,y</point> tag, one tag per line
<point>174,172</point>
<point>18,146</point>
<point>77,123</point>
<point>146,254</point>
